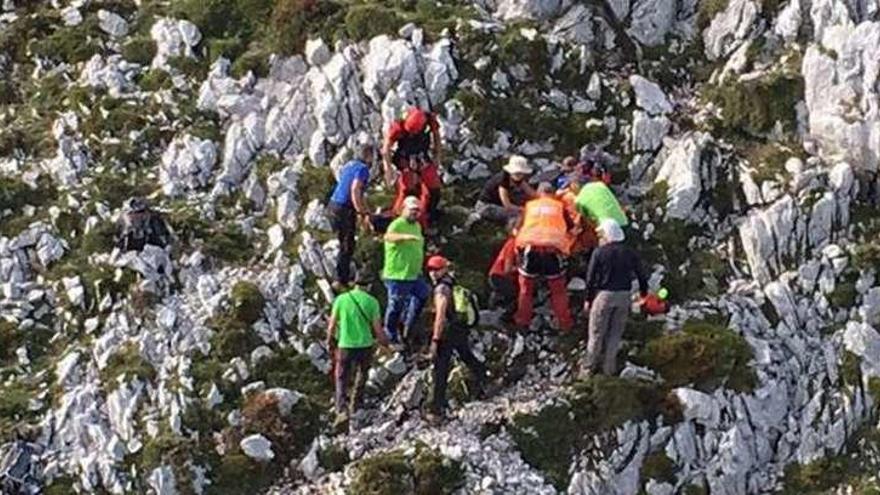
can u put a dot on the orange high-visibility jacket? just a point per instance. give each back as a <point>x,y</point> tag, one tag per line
<point>544,225</point>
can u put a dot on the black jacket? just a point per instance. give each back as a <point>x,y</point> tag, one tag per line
<point>612,267</point>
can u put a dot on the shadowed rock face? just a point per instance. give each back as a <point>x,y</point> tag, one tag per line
<point>743,141</point>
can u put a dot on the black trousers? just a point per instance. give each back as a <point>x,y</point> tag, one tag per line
<point>455,341</point>
<point>343,219</point>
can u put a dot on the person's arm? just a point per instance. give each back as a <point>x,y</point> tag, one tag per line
<point>640,274</point>
<point>387,167</point>
<point>436,140</point>
<point>331,332</point>
<point>591,273</point>
<point>504,195</point>
<point>357,197</point>
<point>379,333</point>
<point>441,301</point>
<point>529,190</point>
<point>399,237</point>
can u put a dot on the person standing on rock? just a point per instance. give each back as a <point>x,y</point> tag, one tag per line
<point>542,243</point>
<point>355,324</point>
<point>449,336</point>
<point>402,271</point>
<point>610,273</point>
<point>347,206</point>
<point>413,148</point>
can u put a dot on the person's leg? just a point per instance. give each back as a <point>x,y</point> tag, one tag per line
<point>559,302</point>
<point>418,296</point>
<point>524,302</point>
<point>476,367</point>
<point>397,300</point>
<point>364,358</point>
<point>348,227</point>
<point>440,375</point>
<point>343,365</point>
<point>616,325</point>
<point>597,327</point>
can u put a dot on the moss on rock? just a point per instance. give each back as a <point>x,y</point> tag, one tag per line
<point>247,302</point>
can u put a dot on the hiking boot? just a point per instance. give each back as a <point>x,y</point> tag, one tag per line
<point>340,423</point>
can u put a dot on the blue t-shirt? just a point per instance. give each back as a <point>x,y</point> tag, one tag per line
<point>352,170</point>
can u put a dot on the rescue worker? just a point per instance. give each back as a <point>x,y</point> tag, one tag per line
<point>402,272</point>
<point>140,225</point>
<point>610,273</point>
<point>542,245</point>
<point>583,234</point>
<point>596,201</point>
<point>503,276</point>
<point>449,336</point>
<point>504,193</point>
<point>413,147</point>
<point>348,206</point>
<point>354,326</point>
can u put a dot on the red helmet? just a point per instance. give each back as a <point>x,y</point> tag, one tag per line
<point>416,120</point>
<point>437,262</point>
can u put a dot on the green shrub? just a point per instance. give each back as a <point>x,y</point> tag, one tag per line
<point>129,362</point>
<point>232,338</point>
<point>288,369</point>
<point>247,302</point>
<point>658,466</point>
<point>550,438</point>
<point>753,107</point>
<point>293,21</point>
<point>383,474</point>
<point>71,44</point>
<point>851,369</point>
<point>155,80</point>
<point>139,49</point>
<point>707,10</point>
<point>333,458</point>
<point>256,61</point>
<point>365,21</point>
<point>703,355</point>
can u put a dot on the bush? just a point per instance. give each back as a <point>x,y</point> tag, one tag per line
<point>366,21</point>
<point>753,107</point>
<point>129,362</point>
<point>288,369</point>
<point>550,438</point>
<point>702,355</point>
<point>247,302</point>
<point>139,49</point>
<point>393,473</point>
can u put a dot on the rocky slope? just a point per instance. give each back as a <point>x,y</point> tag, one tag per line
<point>748,139</point>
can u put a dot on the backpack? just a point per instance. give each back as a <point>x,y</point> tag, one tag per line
<point>466,306</point>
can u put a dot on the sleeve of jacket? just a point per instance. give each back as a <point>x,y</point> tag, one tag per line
<point>591,273</point>
<point>640,273</point>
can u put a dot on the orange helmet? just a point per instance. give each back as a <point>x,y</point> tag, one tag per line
<point>416,120</point>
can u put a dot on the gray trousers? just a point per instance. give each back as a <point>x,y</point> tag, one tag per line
<point>607,320</point>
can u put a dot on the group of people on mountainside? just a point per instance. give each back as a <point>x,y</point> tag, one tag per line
<point>554,227</point>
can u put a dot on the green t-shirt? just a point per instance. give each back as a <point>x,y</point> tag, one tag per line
<point>596,202</point>
<point>353,330</point>
<point>403,260</point>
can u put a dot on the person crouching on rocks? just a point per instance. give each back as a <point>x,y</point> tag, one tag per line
<point>355,324</point>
